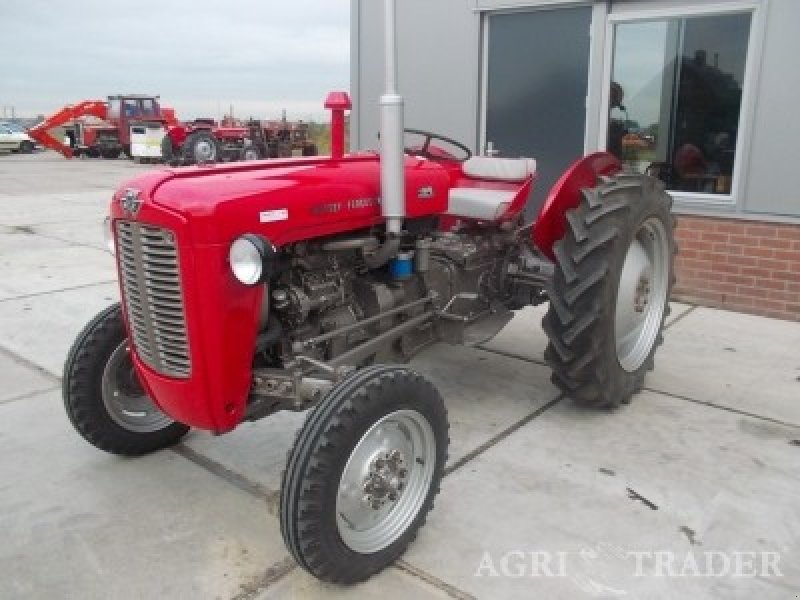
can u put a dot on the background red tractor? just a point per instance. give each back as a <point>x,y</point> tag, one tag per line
<point>305,283</point>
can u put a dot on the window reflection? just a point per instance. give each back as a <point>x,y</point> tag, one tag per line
<point>675,99</point>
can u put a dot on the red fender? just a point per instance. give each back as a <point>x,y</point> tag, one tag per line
<point>551,223</point>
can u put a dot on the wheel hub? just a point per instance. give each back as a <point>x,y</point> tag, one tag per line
<point>386,479</point>
<point>642,294</point>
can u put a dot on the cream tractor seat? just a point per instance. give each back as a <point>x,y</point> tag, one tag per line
<point>487,204</point>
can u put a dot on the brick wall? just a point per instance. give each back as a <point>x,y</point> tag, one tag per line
<point>749,266</point>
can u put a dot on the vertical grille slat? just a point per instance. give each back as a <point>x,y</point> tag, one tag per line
<point>151,288</point>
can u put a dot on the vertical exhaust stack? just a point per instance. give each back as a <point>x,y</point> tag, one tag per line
<point>392,156</point>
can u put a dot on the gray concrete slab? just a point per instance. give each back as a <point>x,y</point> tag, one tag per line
<point>393,584</point>
<point>41,328</point>
<point>79,523</point>
<point>88,207</point>
<point>720,482</point>
<point>49,172</point>
<point>32,264</point>
<point>74,232</point>
<point>524,337</point>
<point>18,379</point>
<point>484,393</point>
<point>741,361</point>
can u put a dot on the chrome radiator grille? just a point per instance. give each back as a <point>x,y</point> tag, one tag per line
<point>151,287</point>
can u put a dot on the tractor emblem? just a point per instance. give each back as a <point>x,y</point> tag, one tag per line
<point>130,202</point>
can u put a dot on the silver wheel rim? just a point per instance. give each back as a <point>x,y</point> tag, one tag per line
<point>385,481</point>
<point>204,151</point>
<point>250,155</point>
<point>125,401</point>
<point>642,294</point>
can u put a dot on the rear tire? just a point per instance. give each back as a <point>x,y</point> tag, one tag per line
<point>26,147</point>
<point>611,288</point>
<point>201,147</point>
<point>111,153</point>
<point>103,397</point>
<point>363,473</point>
<point>310,150</point>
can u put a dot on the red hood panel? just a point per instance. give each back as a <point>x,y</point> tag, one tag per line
<point>288,200</point>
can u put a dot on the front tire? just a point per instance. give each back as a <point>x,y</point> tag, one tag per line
<point>26,147</point>
<point>103,397</point>
<point>363,473</point>
<point>611,288</point>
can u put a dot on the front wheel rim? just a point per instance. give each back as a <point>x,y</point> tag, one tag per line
<point>125,401</point>
<point>642,294</point>
<point>386,481</point>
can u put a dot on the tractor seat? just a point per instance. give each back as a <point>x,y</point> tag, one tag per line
<point>483,203</point>
<point>513,170</point>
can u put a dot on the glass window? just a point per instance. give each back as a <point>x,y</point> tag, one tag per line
<point>130,108</point>
<point>675,97</point>
<point>149,107</point>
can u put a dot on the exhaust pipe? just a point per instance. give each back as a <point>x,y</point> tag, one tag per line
<point>393,201</point>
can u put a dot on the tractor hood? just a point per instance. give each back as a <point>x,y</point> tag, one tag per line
<point>286,200</point>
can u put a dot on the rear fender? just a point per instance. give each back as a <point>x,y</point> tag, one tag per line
<point>177,135</point>
<point>551,222</point>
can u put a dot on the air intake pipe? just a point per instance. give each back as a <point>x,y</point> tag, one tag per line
<point>392,155</point>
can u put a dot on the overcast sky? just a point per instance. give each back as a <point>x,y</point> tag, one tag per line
<point>199,55</point>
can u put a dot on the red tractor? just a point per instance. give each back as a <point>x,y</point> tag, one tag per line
<point>110,134</point>
<point>206,141</point>
<point>305,283</point>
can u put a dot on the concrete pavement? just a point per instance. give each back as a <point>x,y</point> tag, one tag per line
<point>541,499</point>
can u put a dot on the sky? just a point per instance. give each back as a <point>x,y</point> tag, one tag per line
<point>200,56</point>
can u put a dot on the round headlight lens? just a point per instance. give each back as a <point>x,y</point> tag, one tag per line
<point>247,262</point>
<point>108,235</point>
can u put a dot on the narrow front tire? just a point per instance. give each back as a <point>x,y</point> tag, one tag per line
<point>103,397</point>
<point>363,473</point>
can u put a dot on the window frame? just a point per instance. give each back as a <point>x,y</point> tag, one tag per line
<point>756,8</point>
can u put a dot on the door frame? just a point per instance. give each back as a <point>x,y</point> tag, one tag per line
<point>594,90</point>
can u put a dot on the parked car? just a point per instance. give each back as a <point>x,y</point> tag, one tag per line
<point>14,140</point>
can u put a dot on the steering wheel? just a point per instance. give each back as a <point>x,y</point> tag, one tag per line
<point>436,153</point>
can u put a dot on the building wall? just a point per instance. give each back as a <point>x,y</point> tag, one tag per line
<point>775,137</point>
<point>741,264</point>
<point>439,49</point>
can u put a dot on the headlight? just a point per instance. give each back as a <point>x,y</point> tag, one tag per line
<point>251,258</point>
<point>108,234</point>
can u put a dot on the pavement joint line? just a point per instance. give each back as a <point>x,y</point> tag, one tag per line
<point>30,364</point>
<point>499,437</point>
<point>449,589</point>
<point>70,243</point>
<point>273,574</point>
<point>27,395</point>
<point>730,409</point>
<point>58,291</point>
<point>229,475</point>
<point>681,316</point>
<point>511,355</point>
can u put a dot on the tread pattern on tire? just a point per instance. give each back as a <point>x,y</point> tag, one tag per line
<point>83,397</point>
<point>312,468</point>
<point>580,320</point>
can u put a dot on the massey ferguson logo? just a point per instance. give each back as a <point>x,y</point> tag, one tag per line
<point>130,202</point>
